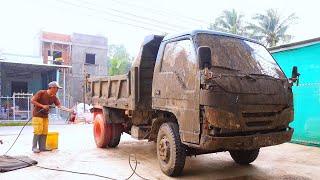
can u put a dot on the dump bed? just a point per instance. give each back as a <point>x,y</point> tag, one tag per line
<point>130,91</point>
<point>111,91</point>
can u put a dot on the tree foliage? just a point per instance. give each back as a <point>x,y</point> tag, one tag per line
<point>119,60</point>
<point>230,21</point>
<point>270,28</point>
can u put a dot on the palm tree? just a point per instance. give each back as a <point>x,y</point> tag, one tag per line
<point>230,21</point>
<point>270,28</point>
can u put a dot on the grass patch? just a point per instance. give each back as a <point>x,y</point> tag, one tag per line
<point>14,124</point>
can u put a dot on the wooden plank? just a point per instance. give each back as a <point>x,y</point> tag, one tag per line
<point>118,89</point>
<point>100,89</point>
<point>108,90</point>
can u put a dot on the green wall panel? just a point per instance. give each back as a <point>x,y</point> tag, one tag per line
<point>307,95</point>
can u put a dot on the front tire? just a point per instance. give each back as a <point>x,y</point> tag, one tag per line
<point>244,157</point>
<point>170,151</point>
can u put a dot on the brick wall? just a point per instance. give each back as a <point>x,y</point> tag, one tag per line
<point>56,42</point>
<point>64,48</point>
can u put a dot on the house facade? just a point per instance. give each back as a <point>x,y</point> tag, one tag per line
<point>20,77</point>
<point>67,59</point>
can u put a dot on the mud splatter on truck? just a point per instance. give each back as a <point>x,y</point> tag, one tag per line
<point>195,93</point>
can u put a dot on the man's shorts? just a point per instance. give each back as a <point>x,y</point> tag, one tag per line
<point>40,125</point>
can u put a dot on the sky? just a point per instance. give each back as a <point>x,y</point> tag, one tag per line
<point>128,22</point>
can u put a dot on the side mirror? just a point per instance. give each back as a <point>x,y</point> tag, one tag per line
<point>204,56</point>
<point>295,75</point>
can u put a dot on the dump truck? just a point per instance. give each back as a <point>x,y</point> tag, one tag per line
<point>195,93</point>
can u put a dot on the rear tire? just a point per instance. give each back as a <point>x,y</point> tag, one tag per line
<point>170,151</point>
<point>102,131</point>
<point>244,157</point>
<point>116,135</point>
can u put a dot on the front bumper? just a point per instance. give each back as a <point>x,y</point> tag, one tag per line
<point>246,142</point>
<point>249,118</point>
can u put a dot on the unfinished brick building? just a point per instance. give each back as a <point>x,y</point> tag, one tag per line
<point>55,48</point>
<point>86,54</point>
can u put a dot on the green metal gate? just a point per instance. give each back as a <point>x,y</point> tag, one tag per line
<point>307,95</point>
<point>307,113</point>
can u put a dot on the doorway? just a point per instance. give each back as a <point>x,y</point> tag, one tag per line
<point>19,87</point>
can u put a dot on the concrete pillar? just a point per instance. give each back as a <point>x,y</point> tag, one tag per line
<point>0,80</point>
<point>64,86</point>
<point>58,79</point>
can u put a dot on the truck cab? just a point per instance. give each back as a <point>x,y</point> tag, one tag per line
<point>194,93</point>
<point>238,90</point>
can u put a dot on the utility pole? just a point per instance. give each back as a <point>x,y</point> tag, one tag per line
<point>84,89</point>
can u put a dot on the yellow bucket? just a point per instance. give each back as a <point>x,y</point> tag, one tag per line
<point>52,140</point>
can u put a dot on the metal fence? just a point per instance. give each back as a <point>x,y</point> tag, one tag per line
<point>19,108</point>
<point>16,107</point>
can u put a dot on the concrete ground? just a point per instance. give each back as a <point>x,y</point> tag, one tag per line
<point>77,152</point>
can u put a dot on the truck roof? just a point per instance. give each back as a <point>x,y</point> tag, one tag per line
<point>195,32</point>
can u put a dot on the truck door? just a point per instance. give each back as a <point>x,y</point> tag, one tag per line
<point>176,85</point>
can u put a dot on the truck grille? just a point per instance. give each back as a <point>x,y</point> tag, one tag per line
<point>258,119</point>
<point>258,123</point>
<point>259,114</point>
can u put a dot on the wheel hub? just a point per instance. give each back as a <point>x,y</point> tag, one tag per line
<point>164,149</point>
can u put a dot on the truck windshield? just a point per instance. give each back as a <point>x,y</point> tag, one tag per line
<point>240,55</point>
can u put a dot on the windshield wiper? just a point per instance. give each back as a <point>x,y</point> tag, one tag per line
<point>266,75</point>
<point>227,68</point>
<point>249,77</point>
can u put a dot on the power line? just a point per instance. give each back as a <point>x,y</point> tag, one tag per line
<point>137,16</point>
<point>125,23</point>
<point>113,15</point>
<point>164,12</point>
<point>122,17</point>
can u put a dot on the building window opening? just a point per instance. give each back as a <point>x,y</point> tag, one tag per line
<point>55,57</point>
<point>19,87</point>
<point>90,58</point>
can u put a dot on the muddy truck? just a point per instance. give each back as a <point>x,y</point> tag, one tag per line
<point>195,93</point>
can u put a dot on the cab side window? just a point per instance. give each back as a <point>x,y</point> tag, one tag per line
<point>179,57</point>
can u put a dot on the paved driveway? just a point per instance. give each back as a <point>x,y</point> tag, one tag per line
<point>78,152</point>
